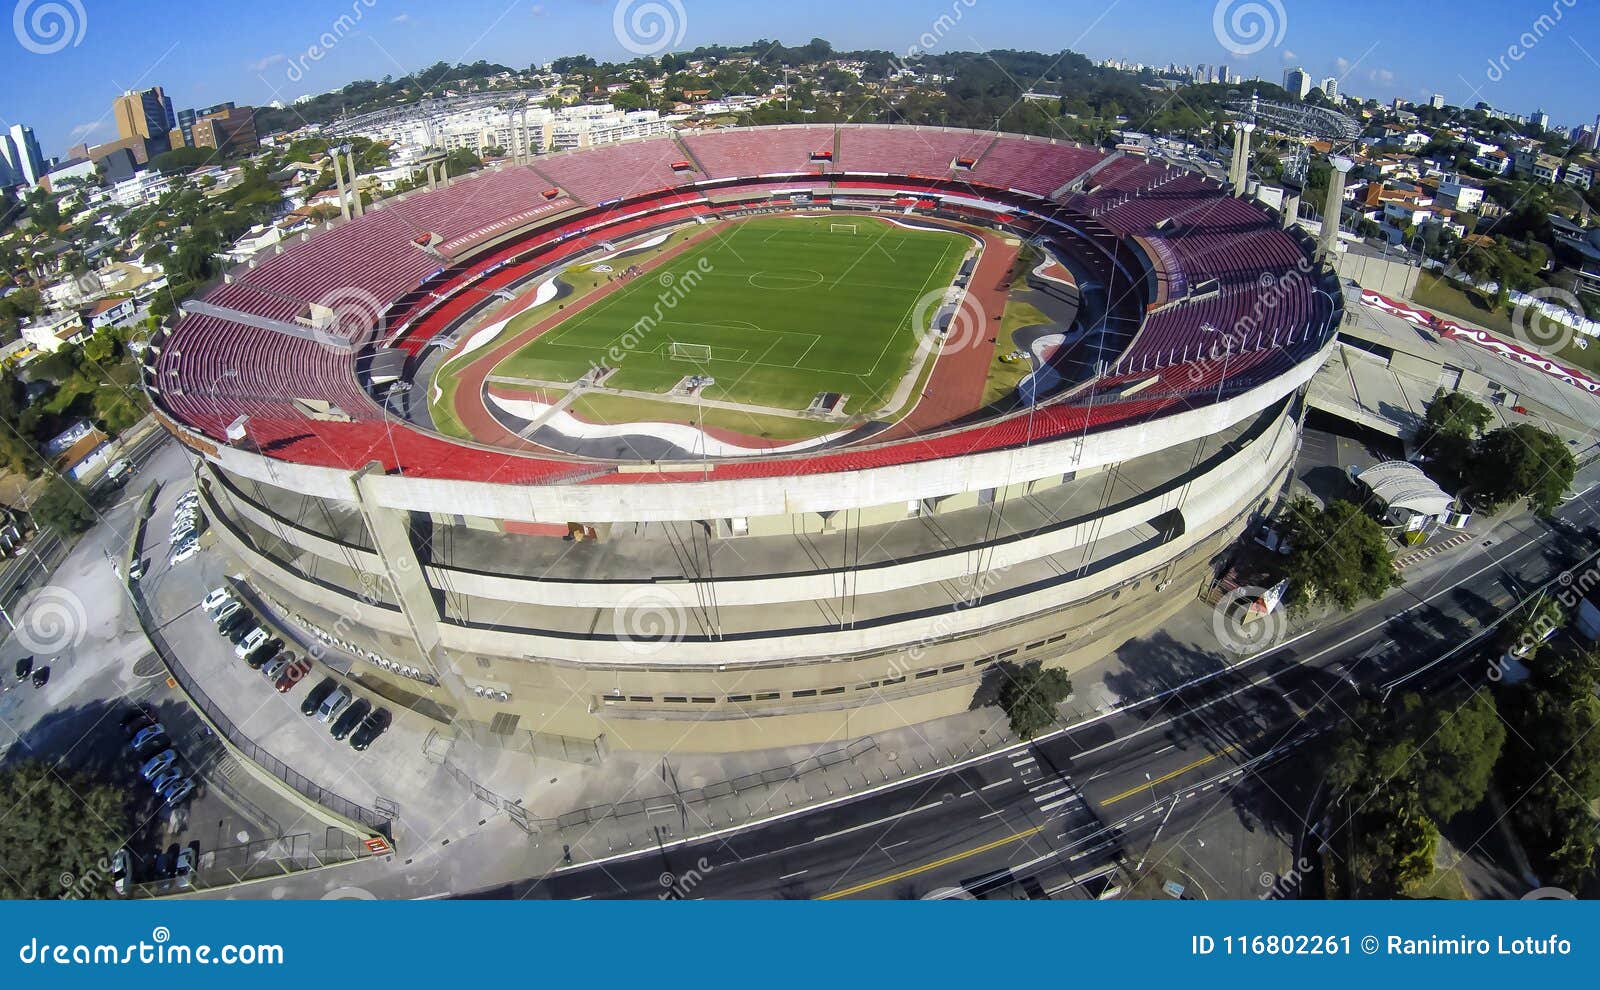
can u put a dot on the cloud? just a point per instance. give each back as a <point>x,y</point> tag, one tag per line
<point>537,10</point>
<point>1384,76</point>
<point>401,19</point>
<point>1342,64</point>
<point>80,130</point>
<point>264,64</point>
<point>1289,56</point>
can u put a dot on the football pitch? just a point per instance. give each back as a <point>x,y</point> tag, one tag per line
<point>776,309</point>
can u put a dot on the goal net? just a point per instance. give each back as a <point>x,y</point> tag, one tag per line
<point>679,351</point>
<point>844,228</point>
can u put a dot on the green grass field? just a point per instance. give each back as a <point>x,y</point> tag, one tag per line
<point>775,309</point>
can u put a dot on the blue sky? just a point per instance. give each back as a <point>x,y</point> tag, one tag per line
<point>252,52</point>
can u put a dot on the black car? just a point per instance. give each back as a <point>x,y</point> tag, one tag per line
<point>238,635</point>
<point>371,728</point>
<point>136,721</point>
<point>41,677</point>
<point>317,695</point>
<point>351,717</point>
<point>24,668</point>
<point>152,746</point>
<point>266,651</point>
<point>236,621</point>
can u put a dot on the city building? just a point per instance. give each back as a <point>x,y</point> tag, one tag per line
<point>139,189</point>
<point>1436,101</point>
<point>1540,119</point>
<point>24,162</point>
<point>72,168</point>
<point>229,129</point>
<point>1458,195</point>
<point>144,114</point>
<point>1297,82</point>
<point>49,332</point>
<point>1534,164</point>
<point>1330,88</point>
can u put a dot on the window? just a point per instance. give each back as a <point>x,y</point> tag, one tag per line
<point>893,680</point>
<point>737,698</point>
<point>952,668</point>
<point>675,699</point>
<point>704,701</point>
<point>643,698</point>
<point>808,693</point>
<point>1034,645</point>
<point>833,690</point>
<point>484,662</point>
<point>767,696</point>
<point>1008,653</point>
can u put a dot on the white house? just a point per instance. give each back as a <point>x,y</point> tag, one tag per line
<point>52,331</point>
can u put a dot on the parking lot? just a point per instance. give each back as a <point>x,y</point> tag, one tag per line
<point>100,669</point>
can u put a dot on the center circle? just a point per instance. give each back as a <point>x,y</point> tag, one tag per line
<point>794,278</point>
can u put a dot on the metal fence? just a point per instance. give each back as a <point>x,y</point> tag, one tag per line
<point>261,858</point>
<point>363,816</point>
<point>789,773</point>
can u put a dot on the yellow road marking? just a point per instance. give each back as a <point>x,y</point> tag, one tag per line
<point>1130,792</point>
<point>913,871</point>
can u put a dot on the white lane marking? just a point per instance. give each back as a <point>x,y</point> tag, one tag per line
<point>991,814</point>
<point>895,845</point>
<point>881,821</point>
<point>996,783</point>
<point>791,876</point>
<point>1064,788</point>
<point>1053,805</point>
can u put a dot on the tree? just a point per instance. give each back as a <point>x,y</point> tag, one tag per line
<point>1454,414</point>
<point>64,507</point>
<point>1522,460</point>
<point>1458,750</point>
<point>61,828</point>
<point>1029,696</point>
<point>1341,555</point>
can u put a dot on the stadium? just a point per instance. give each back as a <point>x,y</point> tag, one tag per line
<point>730,439</point>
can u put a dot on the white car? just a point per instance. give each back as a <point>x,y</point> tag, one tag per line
<point>226,612</point>
<point>216,599</point>
<point>250,643</point>
<point>121,871</point>
<point>184,551</point>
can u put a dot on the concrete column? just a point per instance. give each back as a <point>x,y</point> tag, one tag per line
<point>1291,208</point>
<point>391,538</point>
<point>433,177</point>
<point>1335,205</point>
<point>355,190</point>
<point>338,181</point>
<point>1233,163</point>
<point>1244,160</point>
<point>444,174</point>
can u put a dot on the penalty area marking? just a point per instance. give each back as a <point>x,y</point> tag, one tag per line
<point>803,278</point>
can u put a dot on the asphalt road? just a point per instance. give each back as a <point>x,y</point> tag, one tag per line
<point>1044,818</point>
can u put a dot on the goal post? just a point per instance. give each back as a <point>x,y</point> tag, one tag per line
<point>679,351</point>
<point>846,228</point>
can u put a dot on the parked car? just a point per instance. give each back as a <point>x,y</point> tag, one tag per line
<point>165,861</point>
<point>41,677</point>
<point>350,718</point>
<point>183,869</point>
<point>242,631</point>
<point>121,871</point>
<point>243,619</point>
<point>150,732</point>
<point>317,695</point>
<point>24,668</point>
<point>136,719</point>
<point>136,569</point>
<point>177,793</point>
<point>226,612</point>
<point>292,674</point>
<point>333,704</point>
<point>253,640</point>
<point>370,729</point>
<point>166,779</point>
<point>216,599</point>
<point>158,764</point>
<point>263,653</point>
<point>184,552</point>
<point>272,668</point>
<point>150,746</point>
